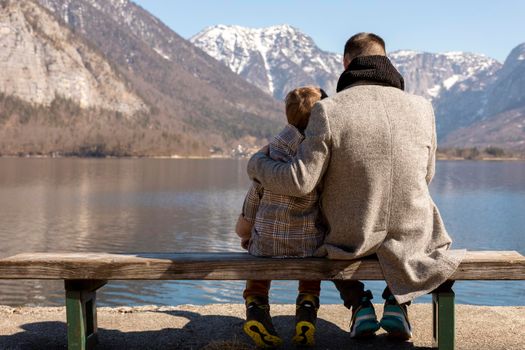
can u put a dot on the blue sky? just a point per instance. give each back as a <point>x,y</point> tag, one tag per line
<point>483,26</point>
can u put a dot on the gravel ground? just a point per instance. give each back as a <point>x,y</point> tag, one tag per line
<point>214,327</point>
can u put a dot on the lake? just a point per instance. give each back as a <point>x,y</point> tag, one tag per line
<point>176,205</point>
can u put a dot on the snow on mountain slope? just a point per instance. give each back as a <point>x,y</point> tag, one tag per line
<point>276,59</point>
<point>279,58</point>
<point>197,103</point>
<point>430,74</point>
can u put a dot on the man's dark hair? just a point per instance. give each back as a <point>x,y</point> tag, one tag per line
<point>365,44</point>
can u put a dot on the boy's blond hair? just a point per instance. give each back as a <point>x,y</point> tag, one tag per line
<point>299,103</point>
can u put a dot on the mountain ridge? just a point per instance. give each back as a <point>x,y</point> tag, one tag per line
<point>289,58</point>
<point>223,42</point>
<point>194,104</point>
<point>465,88</point>
<point>108,75</point>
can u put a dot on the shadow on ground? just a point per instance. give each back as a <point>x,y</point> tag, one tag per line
<point>198,332</point>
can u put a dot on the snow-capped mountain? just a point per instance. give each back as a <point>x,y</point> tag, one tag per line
<point>508,91</point>
<point>431,74</point>
<point>465,88</point>
<point>276,59</point>
<point>279,58</point>
<point>492,115</point>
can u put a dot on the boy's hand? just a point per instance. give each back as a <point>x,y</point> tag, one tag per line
<point>244,231</point>
<point>243,227</point>
<point>245,242</point>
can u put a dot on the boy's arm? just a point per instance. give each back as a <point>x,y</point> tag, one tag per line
<point>252,201</point>
<point>246,220</point>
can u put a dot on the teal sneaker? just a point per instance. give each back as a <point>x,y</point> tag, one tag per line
<point>395,320</point>
<point>364,319</point>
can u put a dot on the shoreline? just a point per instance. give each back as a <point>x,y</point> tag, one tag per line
<point>219,326</point>
<point>483,159</point>
<point>438,157</point>
<point>119,157</point>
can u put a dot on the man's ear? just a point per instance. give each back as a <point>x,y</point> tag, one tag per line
<point>346,60</point>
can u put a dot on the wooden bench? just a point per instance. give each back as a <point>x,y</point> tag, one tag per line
<point>84,273</point>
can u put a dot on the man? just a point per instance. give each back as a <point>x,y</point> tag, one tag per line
<point>371,149</point>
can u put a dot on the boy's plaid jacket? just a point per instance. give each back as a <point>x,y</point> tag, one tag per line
<point>283,226</point>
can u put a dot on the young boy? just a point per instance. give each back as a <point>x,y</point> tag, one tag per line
<point>279,226</point>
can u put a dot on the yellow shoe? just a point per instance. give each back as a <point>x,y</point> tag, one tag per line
<point>304,334</point>
<point>305,319</point>
<point>258,325</point>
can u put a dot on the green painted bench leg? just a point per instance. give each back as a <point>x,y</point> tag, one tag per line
<point>81,313</point>
<point>443,318</point>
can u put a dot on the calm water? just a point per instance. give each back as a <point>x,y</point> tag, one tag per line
<point>161,205</point>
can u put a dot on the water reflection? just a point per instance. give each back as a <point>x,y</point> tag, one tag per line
<point>475,176</point>
<point>482,203</point>
<point>154,205</point>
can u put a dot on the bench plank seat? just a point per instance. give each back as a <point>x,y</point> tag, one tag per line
<point>84,273</point>
<point>485,265</point>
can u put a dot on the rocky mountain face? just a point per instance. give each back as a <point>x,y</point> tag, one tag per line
<point>499,111</point>
<point>275,59</point>
<point>508,90</point>
<point>41,60</point>
<point>433,74</point>
<point>505,130</point>
<point>133,38</point>
<point>105,76</point>
<point>268,57</point>
<point>465,88</point>
<point>190,103</point>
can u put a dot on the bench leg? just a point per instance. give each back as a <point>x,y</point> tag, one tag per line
<point>81,313</point>
<point>443,318</point>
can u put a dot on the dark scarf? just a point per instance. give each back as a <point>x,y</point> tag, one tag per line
<point>374,69</point>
